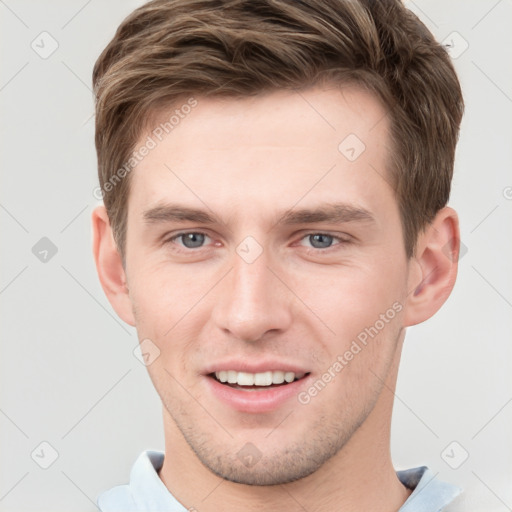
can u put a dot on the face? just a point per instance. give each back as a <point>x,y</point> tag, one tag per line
<point>264,245</point>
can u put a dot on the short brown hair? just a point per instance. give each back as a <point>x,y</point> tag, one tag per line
<point>168,50</point>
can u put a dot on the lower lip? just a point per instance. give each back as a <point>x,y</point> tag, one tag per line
<point>256,401</point>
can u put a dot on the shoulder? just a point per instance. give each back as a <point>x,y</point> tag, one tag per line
<point>123,498</point>
<point>145,490</point>
<point>428,492</point>
<point>117,499</point>
<point>474,499</point>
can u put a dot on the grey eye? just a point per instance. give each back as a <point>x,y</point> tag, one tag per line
<point>321,241</point>
<point>192,240</point>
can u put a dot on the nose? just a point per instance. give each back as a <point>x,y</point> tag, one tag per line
<point>253,302</point>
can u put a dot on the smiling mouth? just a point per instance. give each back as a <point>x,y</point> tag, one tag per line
<point>256,381</point>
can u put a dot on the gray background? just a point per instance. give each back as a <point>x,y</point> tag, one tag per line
<point>68,373</point>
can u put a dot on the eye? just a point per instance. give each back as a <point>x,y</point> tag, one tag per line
<point>321,240</point>
<point>191,240</point>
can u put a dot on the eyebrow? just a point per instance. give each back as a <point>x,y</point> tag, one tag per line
<point>176,213</point>
<point>336,213</point>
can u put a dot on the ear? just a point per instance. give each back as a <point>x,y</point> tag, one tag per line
<point>433,268</point>
<point>109,266</point>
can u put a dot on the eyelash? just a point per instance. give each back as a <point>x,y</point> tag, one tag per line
<point>339,239</point>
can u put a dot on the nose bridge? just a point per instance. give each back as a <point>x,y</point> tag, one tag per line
<point>251,303</point>
<point>250,281</point>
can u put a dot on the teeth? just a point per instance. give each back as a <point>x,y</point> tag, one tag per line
<point>263,379</point>
<point>245,379</point>
<point>277,377</point>
<point>289,376</point>
<point>257,379</point>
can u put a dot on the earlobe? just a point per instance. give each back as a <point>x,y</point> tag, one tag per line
<point>109,266</point>
<point>433,269</point>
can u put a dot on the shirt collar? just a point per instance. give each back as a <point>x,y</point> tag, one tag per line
<point>429,494</point>
<point>150,493</point>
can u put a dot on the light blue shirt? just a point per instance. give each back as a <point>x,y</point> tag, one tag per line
<point>147,493</point>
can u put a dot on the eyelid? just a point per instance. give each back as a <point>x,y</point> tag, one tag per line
<point>342,237</point>
<point>341,241</point>
<point>172,238</point>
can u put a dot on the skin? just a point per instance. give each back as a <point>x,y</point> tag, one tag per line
<point>246,162</point>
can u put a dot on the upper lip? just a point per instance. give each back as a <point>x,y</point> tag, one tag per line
<point>240,365</point>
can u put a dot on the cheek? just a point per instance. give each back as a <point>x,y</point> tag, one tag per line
<point>171,308</point>
<point>347,300</point>
<point>163,297</point>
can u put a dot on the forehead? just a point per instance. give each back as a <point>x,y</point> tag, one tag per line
<point>270,149</point>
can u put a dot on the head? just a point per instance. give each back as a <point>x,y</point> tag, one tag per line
<point>275,178</point>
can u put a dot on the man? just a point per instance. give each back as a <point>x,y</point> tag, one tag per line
<point>275,177</point>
